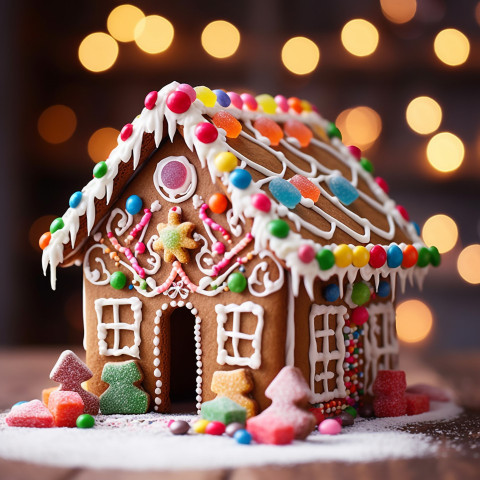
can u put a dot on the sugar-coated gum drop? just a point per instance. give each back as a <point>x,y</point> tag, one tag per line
<point>228,122</point>
<point>267,103</point>
<point>306,187</point>
<point>270,129</point>
<point>343,189</point>
<point>285,192</point>
<point>298,130</point>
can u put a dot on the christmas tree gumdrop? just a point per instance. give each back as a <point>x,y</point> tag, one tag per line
<point>123,395</point>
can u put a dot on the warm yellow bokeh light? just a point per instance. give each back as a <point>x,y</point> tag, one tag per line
<point>414,321</point>
<point>445,152</point>
<point>122,21</point>
<point>101,143</point>
<point>57,123</point>
<point>220,39</point>
<point>451,47</point>
<point>154,34</point>
<point>399,11</point>
<point>468,264</point>
<point>360,126</point>
<point>440,231</point>
<point>38,228</point>
<point>300,55</point>
<point>360,37</point>
<point>98,52</point>
<point>424,115</point>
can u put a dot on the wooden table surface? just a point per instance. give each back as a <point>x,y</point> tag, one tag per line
<point>24,373</point>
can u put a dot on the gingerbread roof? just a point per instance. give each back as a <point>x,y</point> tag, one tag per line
<point>301,188</point>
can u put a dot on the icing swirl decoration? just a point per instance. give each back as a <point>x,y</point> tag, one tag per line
<point>175,179</point>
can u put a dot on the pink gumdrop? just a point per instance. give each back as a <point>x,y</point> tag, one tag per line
<point>249,101</point>
<point>306,253</point>
<point>236,100</point>
<point>382,184</point>
<point>378,256</point>
<point>403,212</point>
<point>282,103</point>
<point>140,247</point>
<point>189,90</point>
<point>359,315</point>
<point>151,100</point>
<point>219,248</point>
<point>330,427</point>
<point>178,102</point>
<point>215,428</point>
<point>261,202</point>
<point>206,132</point>
<point>355,151</point>
<point>126,132</point>
<point>174,175</point>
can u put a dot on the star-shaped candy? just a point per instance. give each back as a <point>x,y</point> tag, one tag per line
<point>175,237</point>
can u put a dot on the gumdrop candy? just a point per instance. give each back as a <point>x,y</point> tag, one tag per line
<point>389,390</point>
<point>222,409</point>
<point>267,102</point>
<point>228,122</point>
<point>71,372</point>
<point>306,187</point>
<point>123,395</point>
<point>215,428</point>
<point>298,130</point>
<point>395,406</point>
<point>270,129</point>
<point>435,394</point>
<point>282,103</point>
<point>66,407</point>
<point>417,403</point>
<point>222,98</point>
<point>330,426</point>
<point>236,99</point>
<point>295,104</point>
<point>249,101</point>
<point>46,394</point>
<point>30,414</point>
<point>343,189</point>
<point>285,192</point>
<point>206,96</point>
<point>270,429</point>
<point>242,436</point>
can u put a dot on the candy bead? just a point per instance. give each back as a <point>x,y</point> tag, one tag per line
<point>174,174</point>
<point>423,257</point>
<point>57,224</point>
<point>331,292</point>
<point>218,248</point>
<point>118,280</point>
<point>285,192</point>
<point>240,178</point>
<point>85,421</point>
<point>360,257</point>
<point>75,200</point>
<point>100,169</point>
<point>267,103</point>
<point>133,204</point>
<point>217,203</point>
<point>236,99</point>
<point>228,122</point>
<point>151,100</point>
<point>261,202</point>
<point>403,212</point>
<point>306,187</point>
<point>351,411</point>
<point>126,132</point>
<point>346,419</point>
<point>44,240</point>
<point>306,253</point>
<point>343,189</point>
<point>383,289</point>
<point>295,104</point>
<point>282,103</point>
<point>306,106</point>
<point>200,426</point>
<point>237,282</point>
<point>367,165</point>
<point>225,162</point>
<point>410,256</point>
<point>394,256</point>
<point>179,427</point>
<point>435,258</point>
<point>140,248</point>
<point>298,130</point>
<point>206,96</point>
<point>206,132</point>
<point>325,259</point>
<point>330,427</point>
<point>359,315</point>
<point>278,228</point>
<point>269,129</point>
<point>243,437</point>
<point>343,255</point>
<point>249,101</point>
<point>355,151</point>
<point>382,184</point>
<point>360,294</point>
<point>333,131</point>
<point>222,98</point>
<point>378,256</point>
<point>234,427</point>
<point>215,428</point>
<point>178,102</point>
<point>189,90</point>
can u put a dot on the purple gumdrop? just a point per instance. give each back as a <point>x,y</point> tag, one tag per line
<point>174,175</point>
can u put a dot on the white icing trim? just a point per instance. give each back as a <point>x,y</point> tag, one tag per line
<point>270,286</point>
<point>290,338</point>
<point>94,276</point>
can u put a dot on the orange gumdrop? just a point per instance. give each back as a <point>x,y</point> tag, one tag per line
<point>295,104</point>
<point>306,187</point>
<point>228,122</point>
<point>270,129</point>
<point>44,240</point>
<point>217,203</point>
<point>298,130</point>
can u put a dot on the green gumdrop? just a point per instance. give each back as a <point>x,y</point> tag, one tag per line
<point>435,258</point>
<point>325,259</point>
<point>360,294</point>
<point>170,238</point>
<point>57,224</point>
<point>333,131</point>
<point>100,169</point>
<point>237,282</point>
<point>224,410</point>
<point>278,228</point>
<point>118,280</point>
<point>366,164</point>
<point>423,257</point>
<point>85,421</point>
<point>351,411</point>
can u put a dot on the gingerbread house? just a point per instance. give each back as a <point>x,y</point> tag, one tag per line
<point>229,231</point>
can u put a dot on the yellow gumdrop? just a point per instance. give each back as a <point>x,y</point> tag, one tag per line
<point>225,162</point>
<point>267,102</point>
<point>343,255</point>
<point>361,256</point>
<point>206,96</point>
<point>200,426</point>
<point>306,106</point>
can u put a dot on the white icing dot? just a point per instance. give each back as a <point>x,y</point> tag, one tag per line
<point>156,408</point>
<point>173,303</point>
<point>156,351</point>
<point>158,391</point>
<point>194,311</point>
<point>156,330</point>
<point>158,383</point>
<point>158,401</point>
<point>164,306</point>
<point>156,362</point>
<point>199,398</point>
<point>199,364</point>
<point>157,320</point>
<point>181,303</point>
<point>189,305</point>
<point>199,371</point>
<point>156,341</point>
<point>198,351</point>
<point>199,390</point>
<point>157,372</point>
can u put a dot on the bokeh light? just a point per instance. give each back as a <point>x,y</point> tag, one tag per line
<point>399,11</point>
<point>122,21</point>
<point>414,321</point>
<point>445,152</point>
<point>440,231</point>
<point>101,143</point>
<point>220,39</point>
<point>359,37</point>
<point>468,264</point>
<point>360,126</point>
<point>451,47</point>
<point>424,115</point>
<point>98,52</point>
<point>38,228</point>
<point>154,34</point>
<point>57,124</point>
<point>300,55</point>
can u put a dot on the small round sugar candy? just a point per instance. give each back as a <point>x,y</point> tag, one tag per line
<point>282,103</point>
<point>179,427</point>
<point>118,280</point>
<point>242,436</point>
<point>435,258</point>
<point>423,257</point>
<point>355,151</point>
<point>384,289</point>
<point>57,224</point>
<point>240,178</point>
<point>382,183</point>
<point>233,427</point>
<point>325,259</point>
<point>343,189</point>
<point>225,161</point>
<point>44,240</point>
<point>343,255</point>
<point>151,100</point>
<point>378,256</point>
<point>140,248</point>
<point>261,202</point>
<point>394,256</point>
<point>306,253</point>
<point>360,293</point>
<point>306,106</point>
<point>346,419</point>
<point>133,204</point>
<point>267,103</point>
<point>100,169</point>
<point>285,192</point>
<point>249,101</point>
<point>173,175</point>
<point>330,427</point>
<point>269,129</point>
<point>306,187</point>
<point>222,98</point>
<point>331,292</point>
<point>217,203</point>
<point>75,200</point>
<point>333,131</point>
<point>206,132</point>
<point>206,96</point>
<point>296,129</point>
<point>351,411</point>
<point>278,228</point>
<point>359,315</point>
<point>189,90</point>
<point>227,122</point>
<point>215,428</point>
<point>85,421</point>
<point>367,165</point>
<point>236,99</point>
<point>403,212</point>
<point>361,256</point>
<point>178,102</point>
<point>410,256</point>
<point>218,248</point>
<point>237,282</point>
<point>126,132</point>
<point>200,425</point>
<point>295,104</point>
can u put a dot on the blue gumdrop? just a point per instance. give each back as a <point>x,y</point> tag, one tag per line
<point>383,289</point>
<point>134,204</point>
<point>343,189</point>
<point>222,98</point>
<point>243,436</point>
<point>331,292</point>
<point>285,192</point>
<point>75,200</point>
<point>417,227</point>
<point>240,178</point>
<point>20,403</point>
<point>394,256</point>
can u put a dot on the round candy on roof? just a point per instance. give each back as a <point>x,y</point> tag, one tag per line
<point>331,292</point>
<point>394,256</point>
<point>423,257</point>
<point>355,151</point>
<point>295,104</point>
<point>151,100</point>
<point>282,103</point>
<point>384,289</point>
<point>189,90</point>
<point>333,131</point>
<point>75,200</point>
<point>178,102</point>
<point>325,259</point>
<point>343,255</point>
<point>217,203</point>
<point>378,256</point>
<point>435,258</point>
<point>206,96</point>
<point>126,132</point>
<point>361,256</point>
<point>100,169</point>
<point>285,192</point>
<point>382,184</point>
<point>206,132</point>
<point>267,103</point>
<point>133,204</point>
<point>410,256</point>
<point>343,189</point>
<point>306,253</point>
<point>222,98</point>
<point>261,202</point>
<point>243,436</point>
<point>366,164</point>
<point>225,161</point>
<point>249,101</point>
<point>236,99</point>
<point>44,240</point>
<point>57,224</point>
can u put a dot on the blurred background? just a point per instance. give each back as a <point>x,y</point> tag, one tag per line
<point>399,77</point>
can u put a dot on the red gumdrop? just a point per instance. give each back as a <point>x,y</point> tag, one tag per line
<point>390,406</point>
<point>270,129</point>
<point>390,382</point>
<point>215,428</point>
<point>355,151</point>
<point>261,202</point>
<point>306,253</point>
<point>178,102</point>
<point>359,315</point>
<point>378,256</point>
<point>151,100</point>
<point>228,122</point>
<point>382,184</point>
<point>126,131</point>
<point>403,212</point>
<point>417,403</point>
<point>410,256</point>
<point>270,429</point>
<point>298,130</point>
<point>306,187</point>
<point>249,101</point>
<point>31,414</point>
<point>66,407</point>
<point>206,132</point>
